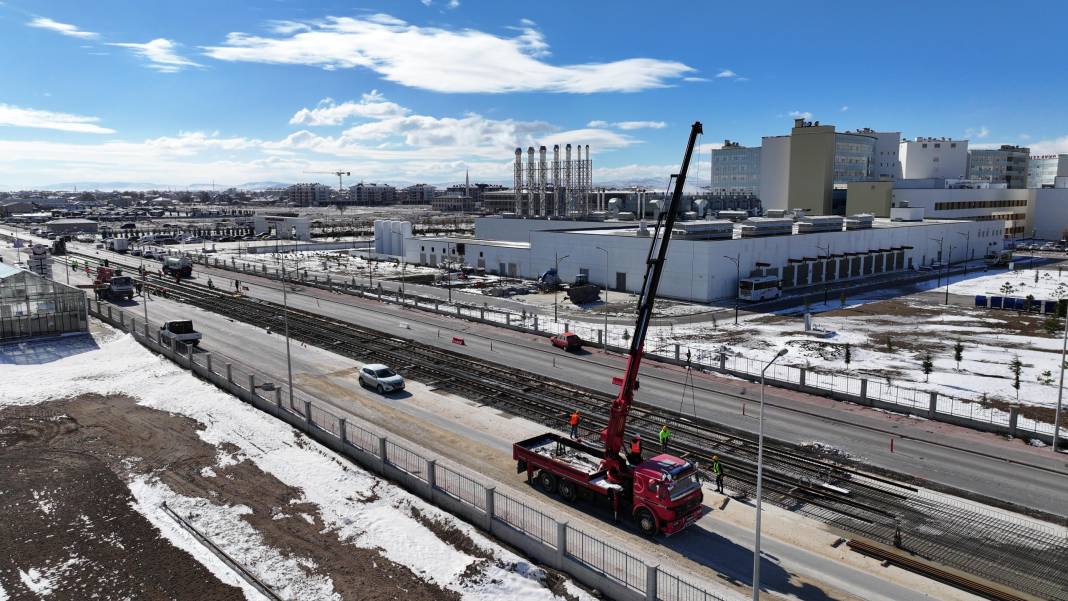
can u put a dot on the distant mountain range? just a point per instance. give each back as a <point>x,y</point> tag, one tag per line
<point>137,186</point>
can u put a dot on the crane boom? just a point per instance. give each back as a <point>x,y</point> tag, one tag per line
<point>617,422</point>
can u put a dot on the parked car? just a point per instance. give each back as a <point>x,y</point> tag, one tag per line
<point>381,378</point>
<point>568,341</point>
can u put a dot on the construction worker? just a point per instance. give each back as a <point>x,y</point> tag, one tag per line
<point>574,421</point>
<point>211,284</point>
<point>665,436</point>
<point>635,455</point>
<point>237,285</point>
<point>717,471</point>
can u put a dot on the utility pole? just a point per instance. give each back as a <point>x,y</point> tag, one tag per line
<point>738,279</point>
<point>826,249</point>
<point>1060,390</point>
<point>760,481</point>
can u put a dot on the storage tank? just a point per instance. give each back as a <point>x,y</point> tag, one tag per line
<point>395,244</point>
<point>379,237</point>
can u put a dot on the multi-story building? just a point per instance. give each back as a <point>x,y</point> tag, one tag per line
<point>1043,170</point>
<point>735,170</point>
<point>812,149</point>
<point>418,194</point>
<point>372,194</point>
<point>854,157</point>
<point>886,163</point>
<point>925,158</point>
<point>1007,164</point>
<point>308,195</point>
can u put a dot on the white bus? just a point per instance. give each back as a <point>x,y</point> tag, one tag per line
<point>759,288</point>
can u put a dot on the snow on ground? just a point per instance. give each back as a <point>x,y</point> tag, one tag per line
<point>351,502</point>
<point>337,263</point>
<point>1050,284</point>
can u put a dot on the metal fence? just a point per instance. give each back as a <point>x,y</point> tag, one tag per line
<point>406,459</point>
<point>606,559</point>
<point>361,438</point>
<point>460,486</point>
<point>524,518</point>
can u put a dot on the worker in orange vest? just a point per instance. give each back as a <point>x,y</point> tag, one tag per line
<point>574,421</point>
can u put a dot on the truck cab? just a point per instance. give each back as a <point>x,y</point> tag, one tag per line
<point>180,331</point>
<point>182,266</point>
<point>666,494</point>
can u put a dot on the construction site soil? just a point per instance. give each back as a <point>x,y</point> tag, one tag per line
<point>67,509</point>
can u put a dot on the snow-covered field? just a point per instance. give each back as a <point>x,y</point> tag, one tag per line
<point>361,510</point>
<point>1049,284</point>
<point>337,263</point>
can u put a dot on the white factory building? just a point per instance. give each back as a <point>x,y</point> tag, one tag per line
<point>699,266</point>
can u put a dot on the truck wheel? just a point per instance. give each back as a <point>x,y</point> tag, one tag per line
<point>567,490</point>
<point>547,482</point>
<point>646,522</point>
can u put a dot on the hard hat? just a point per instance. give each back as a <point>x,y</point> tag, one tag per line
<point>637,436</point>
<point>715,458</point>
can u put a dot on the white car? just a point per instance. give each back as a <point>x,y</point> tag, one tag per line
<point>381,378</point>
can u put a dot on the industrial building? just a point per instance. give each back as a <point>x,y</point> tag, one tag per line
<point>1006,165</point>
<point>735,170</point>
<point>285,227</point>
<point>557,188</point>
<point>702,259</point>
<point>63,227</point>
<point>926,158</point>
<point>371,194</point>
<point>32,306</point>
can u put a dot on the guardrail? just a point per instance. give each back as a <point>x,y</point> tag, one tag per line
<point>541,536</point>
<point>936,406</point>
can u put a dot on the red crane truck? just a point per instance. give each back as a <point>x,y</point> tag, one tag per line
<point>661,493</point>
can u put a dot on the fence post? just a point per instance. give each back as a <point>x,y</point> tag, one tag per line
<point>567,327</point>
<point>109,312</point>
<point>723,361</point>
<point>341,429</point>
<point>457,310</point>
<point>122,320</point>
<point>650,582</point>
<point>676,351</point>
<point>535,323</point>
<point>507,319</point>
<point>207,360</point>
<point>431,477</point>
<point>251,386</point>
<point>561,544</point>
<point>230,373</point>
<point>278,397</point>
<point>600,336</point>
<point>863,389</point>
<point>307,412</point>
<point>1014,417</point>
<point>490,512</point>
<point>932,405</point>
<point>482,313</point>
<point>146,331</point>
<point>802,376</point>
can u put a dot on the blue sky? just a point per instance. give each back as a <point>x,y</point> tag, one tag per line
<point>420,90</point>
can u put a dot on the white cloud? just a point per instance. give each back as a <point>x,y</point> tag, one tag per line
<point>426,2</point>
<point>695,79</point>
<point>980,133</point>
<point>443,60</point>
<point>161,55</point>
<point>726,73</point>
<point>640,125</point>
<point>844,108</point>
<point>1050,146</point>
<point>21,117</point>
<point>454,4</point>
<point>327,112</point>
<point>62,28</point>
<point>801,115</point>
<point>628,125</point>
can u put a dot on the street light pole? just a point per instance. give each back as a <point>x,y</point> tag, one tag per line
<point>605,296</point>
<point>285,321</point>
<point>556,287</point>
<point>760,480</point>
<point>826,249</point>
<point>967,248</point>
<point>1060,391</point>
<point>738,279</point>
<point>948,260</point>
<point>939,273</point>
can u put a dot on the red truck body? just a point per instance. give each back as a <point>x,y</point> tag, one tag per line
<point>663,496</point>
